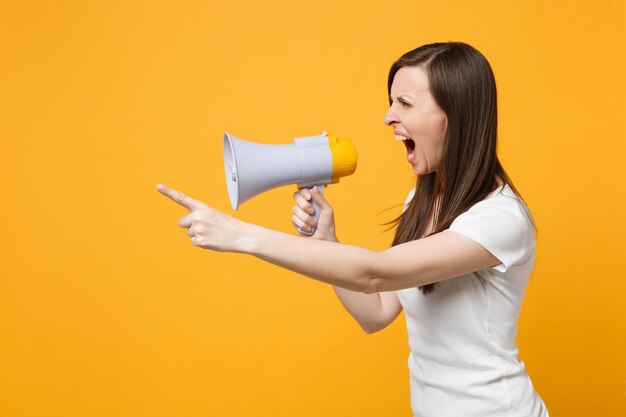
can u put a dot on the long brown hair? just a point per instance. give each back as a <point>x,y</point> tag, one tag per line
<point>463,85</point>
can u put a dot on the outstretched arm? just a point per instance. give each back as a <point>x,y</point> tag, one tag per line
<point>435,258</point>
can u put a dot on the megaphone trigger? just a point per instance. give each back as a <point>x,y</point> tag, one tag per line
<point>316,207</point>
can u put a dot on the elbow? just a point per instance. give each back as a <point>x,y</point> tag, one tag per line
<point>376,280</point>
<point>370,328</point>
<point>374,284</point>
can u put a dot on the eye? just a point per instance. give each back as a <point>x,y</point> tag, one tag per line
<point>404,104</point>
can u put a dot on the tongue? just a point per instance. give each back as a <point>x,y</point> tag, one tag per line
<point>410,155</point>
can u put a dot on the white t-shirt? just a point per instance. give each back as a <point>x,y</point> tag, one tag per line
<point>464,360</point>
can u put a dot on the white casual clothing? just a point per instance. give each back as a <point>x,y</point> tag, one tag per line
<point>464,360</point>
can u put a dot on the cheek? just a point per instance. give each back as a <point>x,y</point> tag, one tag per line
<point>427,125</point>
<point>432,135</point>
<point>437,128</point>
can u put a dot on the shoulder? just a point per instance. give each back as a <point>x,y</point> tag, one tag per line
<point>503,224</point>
<point>502,205</point>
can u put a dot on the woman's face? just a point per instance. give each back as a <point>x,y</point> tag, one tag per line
<point>416,119</point>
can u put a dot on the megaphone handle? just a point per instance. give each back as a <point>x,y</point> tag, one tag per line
<point>316,215</point>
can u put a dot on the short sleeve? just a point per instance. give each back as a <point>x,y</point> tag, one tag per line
<point>501,225</point>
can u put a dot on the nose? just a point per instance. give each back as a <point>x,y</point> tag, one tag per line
<point>390,117</point>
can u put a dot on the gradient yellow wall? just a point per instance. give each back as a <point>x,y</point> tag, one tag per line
<point>107,310</point>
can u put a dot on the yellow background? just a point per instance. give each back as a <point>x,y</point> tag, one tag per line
<point>107,310</point>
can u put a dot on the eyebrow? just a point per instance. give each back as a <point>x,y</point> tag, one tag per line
<point>402,97</point>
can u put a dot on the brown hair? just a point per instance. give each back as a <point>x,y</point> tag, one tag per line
<point>463,85</point>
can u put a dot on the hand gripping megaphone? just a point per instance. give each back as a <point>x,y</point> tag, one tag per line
<point>311,161</point>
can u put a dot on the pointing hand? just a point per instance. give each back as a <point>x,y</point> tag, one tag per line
<point>208,228</point>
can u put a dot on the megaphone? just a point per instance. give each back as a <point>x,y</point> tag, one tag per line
<point>310,161</point>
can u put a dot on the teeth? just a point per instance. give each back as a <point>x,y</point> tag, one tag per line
<point>400,137</point>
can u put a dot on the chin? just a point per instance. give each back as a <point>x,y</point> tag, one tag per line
<point>421,171</point>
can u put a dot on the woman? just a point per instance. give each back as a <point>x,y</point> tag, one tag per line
<point>463,250</point>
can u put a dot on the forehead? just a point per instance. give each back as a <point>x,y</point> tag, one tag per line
<point>412,81</point>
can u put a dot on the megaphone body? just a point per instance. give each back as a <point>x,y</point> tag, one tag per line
<point>252,168</point>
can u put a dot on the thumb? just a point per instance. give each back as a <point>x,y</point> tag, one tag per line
<point>319,198</point>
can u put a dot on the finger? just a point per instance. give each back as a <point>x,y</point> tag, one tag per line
<point>303,216</point>
<point>299,223</point>
<point>180,198</point>
<point>186,221</point>
<point>306,193</point>
<point>319,199</point>
<point>305,205</point>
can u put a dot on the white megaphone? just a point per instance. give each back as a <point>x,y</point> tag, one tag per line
<point>310,161</point>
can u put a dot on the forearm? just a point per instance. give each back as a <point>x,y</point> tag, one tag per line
<point>366,309</point>
<point>345,266</point>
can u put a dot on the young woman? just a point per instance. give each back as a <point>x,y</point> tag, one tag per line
<point>463,250</point>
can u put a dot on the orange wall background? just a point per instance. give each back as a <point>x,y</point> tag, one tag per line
<point>107,310</point>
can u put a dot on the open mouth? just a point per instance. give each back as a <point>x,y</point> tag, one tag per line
<point>410,146</point>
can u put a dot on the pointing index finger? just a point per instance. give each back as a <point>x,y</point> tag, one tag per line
<point>178,197</point>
